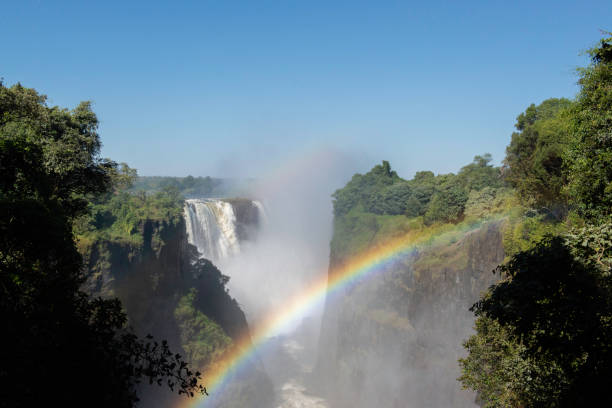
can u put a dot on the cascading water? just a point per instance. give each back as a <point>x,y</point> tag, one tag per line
<point>261,210</point>
<point>247,244</point>
<point>211,227</point>
<point>218,227</point>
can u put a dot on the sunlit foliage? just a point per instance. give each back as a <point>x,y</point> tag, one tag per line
<point>590,152</point>
<point>550,318</point>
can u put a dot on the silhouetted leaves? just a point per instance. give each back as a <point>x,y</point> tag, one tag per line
<point>59,347</point>
<point>559,308</point>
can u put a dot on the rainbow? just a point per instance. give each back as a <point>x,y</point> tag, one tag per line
<point>358,268</point>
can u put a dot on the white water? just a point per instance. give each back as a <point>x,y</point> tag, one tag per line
<point>262,212</point>
<point>292,393</point>
<point>211,227</point>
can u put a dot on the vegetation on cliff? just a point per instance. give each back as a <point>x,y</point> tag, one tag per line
<point>542,333</point>
<point>550,318</point>
<point>134,246</point>
<point>191,186</point>
<point>57,342</point>
<point>399,332</point>
<point>555,308</point>
<point>439,198</point>
<point>203,340</point>
<point>380,205</point>
<point>120,214</point>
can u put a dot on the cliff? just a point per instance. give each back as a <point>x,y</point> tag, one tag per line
<point>248,217</point>
<point>394,340</point>
<point>167,291</point>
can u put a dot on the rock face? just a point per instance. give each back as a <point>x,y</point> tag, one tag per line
<point>146,276</point>
<point>150,276</point>
<point>249,217</point>
<point>394,341</point>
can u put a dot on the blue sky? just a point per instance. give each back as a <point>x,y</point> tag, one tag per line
<point>228,88</point>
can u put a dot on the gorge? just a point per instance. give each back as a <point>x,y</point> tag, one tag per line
<point>314,279</point>
<point>406,321</point>
<point>391,337</point>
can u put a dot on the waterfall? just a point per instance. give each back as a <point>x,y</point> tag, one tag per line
<point>218,226</point>
<point>261,211</point>
<point>211,227</point>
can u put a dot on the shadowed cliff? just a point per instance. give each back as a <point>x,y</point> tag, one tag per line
<point>394,340</point>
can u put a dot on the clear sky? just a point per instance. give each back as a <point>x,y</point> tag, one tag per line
<point>228,88</point>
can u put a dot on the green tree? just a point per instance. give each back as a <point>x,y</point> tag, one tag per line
<point>448,203</point>
<point>554,305</point>
<point>495,366</point>
<point>480,174</point>
<point>423,186</point>
<point>534,163</point>
<point>58,346</point>
<point>590,152</point>
<point>451,192</point>
<point>362,189</point>
<point>391,200</point>
<point>122,177</point>
<point>556,302</point>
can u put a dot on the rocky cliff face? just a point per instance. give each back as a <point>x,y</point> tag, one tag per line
<point>145,277</point>
<point>394,341</point>
<point>164,286</point>
<point>249,215</point>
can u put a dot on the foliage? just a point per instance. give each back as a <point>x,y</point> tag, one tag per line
<point>504,376</point>
<point>555,304</point>
<point>439,198</point>
<point>480,174</point>
<point>379,205</point>
<point>495,365</point>
<point>52,331</point>
<point>590,151</point>
<point>448,203</point>
<point>559,158</point>
<point>203,340</point>
<point>362,189</point>
<point>354,232</point>
<point>120,215</point>
<point>197,186</point>
<point>452,192</point>
<point>524,229</point>
<point>592,245</point>
<point>422,189</point>
<point>488,201</point>
<point>392,200</point>
<point>192,186</point>
<point>49,154</point>
<point>560,307</point>
<point>534,158</point>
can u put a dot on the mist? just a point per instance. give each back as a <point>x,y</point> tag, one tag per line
<point>292,244</point>
<point>288,251</point>
<point>391,340</point>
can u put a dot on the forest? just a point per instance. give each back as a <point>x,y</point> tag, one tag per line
<point>543,333</point>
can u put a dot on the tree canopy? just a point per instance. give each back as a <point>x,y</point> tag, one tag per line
<point>439,198</point>
<point>58,346</point>
<point>534,158</point>
<point>549,321</point>
<point>590,151</point>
